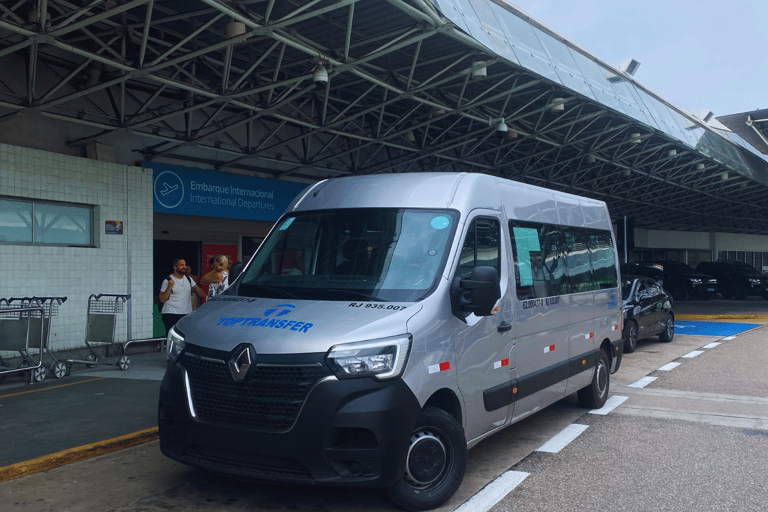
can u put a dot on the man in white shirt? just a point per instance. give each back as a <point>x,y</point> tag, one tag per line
<point>176,294</point>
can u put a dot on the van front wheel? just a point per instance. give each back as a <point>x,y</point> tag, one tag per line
<point>435,464</point>
<point>595,395</point>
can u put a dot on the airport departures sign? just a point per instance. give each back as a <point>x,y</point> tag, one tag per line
<point>187,191</point>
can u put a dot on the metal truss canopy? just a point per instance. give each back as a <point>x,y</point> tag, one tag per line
<point>239,85</point>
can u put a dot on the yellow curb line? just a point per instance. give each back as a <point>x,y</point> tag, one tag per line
<point>722,317</point>
<point>30,467</point>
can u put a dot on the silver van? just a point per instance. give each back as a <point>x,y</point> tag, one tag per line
<point>390,323</point>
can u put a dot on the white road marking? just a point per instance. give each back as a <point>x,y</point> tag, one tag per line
<point>642,382</point>
<point>730,338</point>
<point>561,440</point>
<point>695,353</point>
<point>494,492</point>
<point>711,345</point>
<point>610,405</point>
<point>669,366</point>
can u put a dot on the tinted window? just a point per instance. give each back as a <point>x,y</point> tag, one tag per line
<point>481,247</point>
<point>539,260</point>
<point>577,260</point>
<point>602,258</point>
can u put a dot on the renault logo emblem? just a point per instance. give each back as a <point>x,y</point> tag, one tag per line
<point>241,363</point>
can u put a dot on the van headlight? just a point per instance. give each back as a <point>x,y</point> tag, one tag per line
<point>382,359</point>
<point>695,282</point>
<point>175,344</point>
<point>754,282</point>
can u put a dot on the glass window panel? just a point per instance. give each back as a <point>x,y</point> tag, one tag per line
<point>481,247</point>
<point>603,259</point>
<point>450,10</point>
<point>567,69</point>
<point>525,44</point>
<point>577,260</point>
<point>539,260</point>
<point>59,224</point>
<point>15,221</point>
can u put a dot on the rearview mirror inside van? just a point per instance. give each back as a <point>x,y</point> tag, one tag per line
<point>484,290</point>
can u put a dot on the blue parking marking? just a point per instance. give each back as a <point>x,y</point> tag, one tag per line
<point>702,328</point>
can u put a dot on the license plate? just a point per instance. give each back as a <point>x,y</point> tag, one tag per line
<point>710,289</point>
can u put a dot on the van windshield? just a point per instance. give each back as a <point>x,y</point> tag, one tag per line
<point>370,254</point>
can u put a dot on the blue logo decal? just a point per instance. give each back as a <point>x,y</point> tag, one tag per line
<point>281,313</point>
<point>270,320</point>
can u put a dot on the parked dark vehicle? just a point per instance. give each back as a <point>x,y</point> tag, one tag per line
<point>736,279</point>
<point>681,280</point>
<point>648,311</point>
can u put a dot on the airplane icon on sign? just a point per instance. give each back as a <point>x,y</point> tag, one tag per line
<point>167,189</point>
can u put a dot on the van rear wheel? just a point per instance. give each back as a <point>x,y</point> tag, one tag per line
<point>435,464</point>
<point>595,395</point>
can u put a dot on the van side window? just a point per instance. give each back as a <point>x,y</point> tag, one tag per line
<point>481,247</point>
<point>602,258</point>
<point>539,259</point>
<point>577,260</point>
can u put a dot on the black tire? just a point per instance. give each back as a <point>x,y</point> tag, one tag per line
<point>435,465</point>
<point>765,296</point>
<point>595,395</point>
<point>630,337</point>
<point>740,293</point>
<point>679,292</point>
<point>726,291</point>
<point>669,330</point>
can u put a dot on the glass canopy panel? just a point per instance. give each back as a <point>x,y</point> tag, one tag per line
<point>660,112</point>
<point>685,125</point>
<point>616,95</point>
<point>450,10</point>
<point>492,28</point>
<point>567,69</point>
<point>525,44</point>
<point>473,23</point>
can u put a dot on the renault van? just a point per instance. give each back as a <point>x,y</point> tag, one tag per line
<point>387,325</point>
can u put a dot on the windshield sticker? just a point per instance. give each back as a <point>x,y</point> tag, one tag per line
<point>440,222</point>
<point>270,319</point>
<point>287,223</point>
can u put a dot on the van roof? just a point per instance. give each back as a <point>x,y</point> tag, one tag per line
<point>460,191</point>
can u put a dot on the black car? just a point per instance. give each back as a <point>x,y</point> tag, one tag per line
<point>736,279</point>
<point>648,311</point>
<point>680,279</point>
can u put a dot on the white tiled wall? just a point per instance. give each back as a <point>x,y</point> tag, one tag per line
<point>119,192</point>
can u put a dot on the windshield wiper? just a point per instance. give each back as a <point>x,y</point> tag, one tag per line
<point>354,293</point>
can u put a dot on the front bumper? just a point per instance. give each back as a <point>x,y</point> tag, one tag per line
<point>347,432</point>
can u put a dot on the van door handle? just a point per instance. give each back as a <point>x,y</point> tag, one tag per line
<point>504,327</point>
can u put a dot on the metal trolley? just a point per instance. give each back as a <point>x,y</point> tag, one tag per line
<point>100,327</point>
<point>23,320</point>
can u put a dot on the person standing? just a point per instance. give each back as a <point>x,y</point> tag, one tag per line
<point>176,295</point>
<point>218,278</point>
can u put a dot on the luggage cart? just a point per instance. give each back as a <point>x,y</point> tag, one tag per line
<point>20,325</point>
<point>100,326</point>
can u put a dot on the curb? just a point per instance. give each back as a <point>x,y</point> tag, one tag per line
<point>79,453</point>
<point>722,317</point>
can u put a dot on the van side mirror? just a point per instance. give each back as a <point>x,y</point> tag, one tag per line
<point>235,270</point>
<point>484,289</point>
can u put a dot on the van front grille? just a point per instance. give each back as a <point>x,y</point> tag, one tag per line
<point>269,400</point>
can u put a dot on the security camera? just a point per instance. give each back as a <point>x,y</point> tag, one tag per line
<point>501,130</point>
<point>320,76</point>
